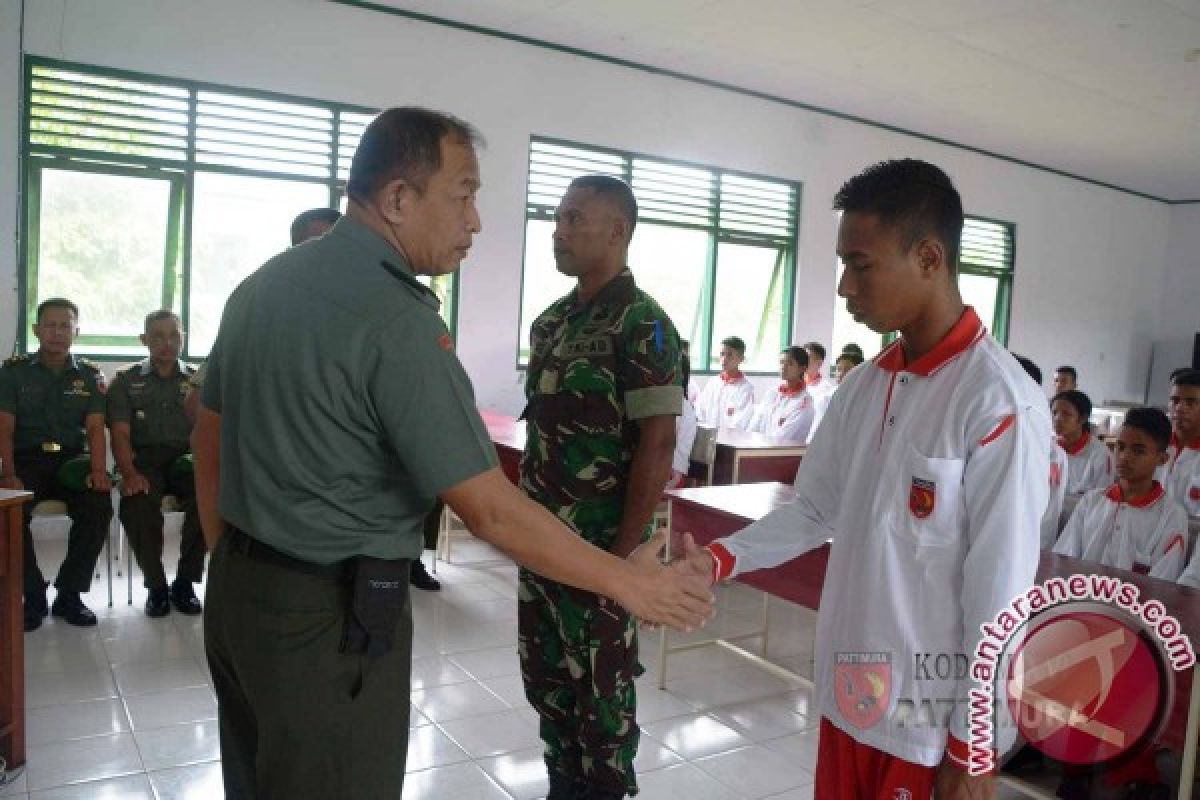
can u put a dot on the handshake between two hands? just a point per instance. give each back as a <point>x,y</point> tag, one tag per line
<point>675,592</point>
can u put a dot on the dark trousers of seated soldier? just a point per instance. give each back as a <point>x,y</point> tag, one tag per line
<point>299,715</point>
<point>90,513</point>
<point>142,516</point>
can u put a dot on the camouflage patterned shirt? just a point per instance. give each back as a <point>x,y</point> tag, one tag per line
<point>595,368</point>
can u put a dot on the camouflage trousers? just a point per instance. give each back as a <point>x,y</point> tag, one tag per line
<point>578,659</point>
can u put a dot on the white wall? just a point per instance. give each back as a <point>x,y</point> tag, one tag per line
<point>1179,319</point>
<point>1091,262</point>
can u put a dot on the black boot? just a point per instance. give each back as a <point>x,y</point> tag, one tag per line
<point>68,606</point>
<point>158,602</point>
<point>183,597</point>
<point>566,787</point>
<point>419,577</point>
<point>35,610</point>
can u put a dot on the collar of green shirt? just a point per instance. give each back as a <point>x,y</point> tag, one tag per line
<point>146,366</point>
<point>70,364</point>
<point>376,248</point>
<point>614,292</point>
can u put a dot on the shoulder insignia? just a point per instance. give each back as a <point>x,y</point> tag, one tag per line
<point>16,360</point>
<point>87,362</point>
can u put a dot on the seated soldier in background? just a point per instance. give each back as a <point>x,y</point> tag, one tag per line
<point>150,431</point>
<point>52,444</point>
<point>1151,537</point>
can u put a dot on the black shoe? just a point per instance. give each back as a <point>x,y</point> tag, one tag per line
<point>68,606</point>
<point>35,610</point>
<point>1027,756</point>
<point>565,787</point>
<point>419,577</point>
<point>158,603</point>
<point>1139,790</point>
<point>1078,788</point>
<point>183,597</point>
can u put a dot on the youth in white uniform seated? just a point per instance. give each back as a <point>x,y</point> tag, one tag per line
<point>1066,378</point>
<point>727,400</point>
<point>1132,524</point>
<point>850,358</point>
<point>787,412</point>
<point>819,387</point>
<point>1181,474</point>
<point>1089,461</point>
<point>1052,517</point>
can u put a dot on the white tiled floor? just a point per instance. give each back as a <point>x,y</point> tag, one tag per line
<point>126,710</point>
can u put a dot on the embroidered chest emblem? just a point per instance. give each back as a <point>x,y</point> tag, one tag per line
<point>922,498</point>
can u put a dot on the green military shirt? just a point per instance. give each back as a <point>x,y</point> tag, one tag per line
<point>594,369</point>
<point>152,405</point>
<point>344,410</point>
<point>50,407</point>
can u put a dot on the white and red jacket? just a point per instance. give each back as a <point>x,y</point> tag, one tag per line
<point>1089,464</point>
<point>821,390</point>
<point>725,402</point>
<point>1181,476</point>
<point>1052,519</point>
<point>931,480</point>
<point>1147,534</point>
<point>785,414</point>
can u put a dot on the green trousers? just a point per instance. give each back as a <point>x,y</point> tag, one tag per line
<point>141,514</point>
<point>297,718</point>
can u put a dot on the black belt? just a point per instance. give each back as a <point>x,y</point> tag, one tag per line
<point>247,545</point>
<point>47,449</point>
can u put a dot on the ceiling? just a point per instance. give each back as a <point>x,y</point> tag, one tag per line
<point>1108,90</point>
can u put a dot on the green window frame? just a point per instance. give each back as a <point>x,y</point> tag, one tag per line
<point>756,216</point>
<point>90,120</point>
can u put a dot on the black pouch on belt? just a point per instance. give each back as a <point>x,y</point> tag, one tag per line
<point>377,597</point>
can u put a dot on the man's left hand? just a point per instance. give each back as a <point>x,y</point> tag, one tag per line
<point>953,782</point>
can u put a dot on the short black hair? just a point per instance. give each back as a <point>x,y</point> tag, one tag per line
<point>56,302</point>
<point>797,354</point>
<point>161,314</point>
<point>305,218</point>
<point>613,189</point>
<point>735,343</point>
<point>1068,370</point>
<point>912,195</point>
<point>851,348</point>
<point>1151,421</point>
<point>1033,369</point>
<point>685,365</point>
<point>404,143</point>
<point>1185,377</point>
<point>816,348</point>
<point>851,356</point>
<point>1082,403</point>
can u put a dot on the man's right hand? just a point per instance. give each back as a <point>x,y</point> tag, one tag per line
<point>134,482</point>
<point>11,482</point>
<point>690,559</point>
<point>666,595</point>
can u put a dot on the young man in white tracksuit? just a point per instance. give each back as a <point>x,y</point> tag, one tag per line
<point>787,412</point>
<point>1180,476</point>
<point>930,474</point>
<point>1132,524</point>
<point>727,400</point>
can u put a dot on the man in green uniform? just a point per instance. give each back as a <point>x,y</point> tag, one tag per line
<point>52,444</point>
<point>150,433</point>
<point>334,411</point>
<point>604,388</point>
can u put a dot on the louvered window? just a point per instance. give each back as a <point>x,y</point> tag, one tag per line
<point>715,248</point>
<point>146,192</point>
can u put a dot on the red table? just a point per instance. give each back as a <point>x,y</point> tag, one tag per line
<point>712,512</point>
<point>12,630</point>
<point>508,435</point>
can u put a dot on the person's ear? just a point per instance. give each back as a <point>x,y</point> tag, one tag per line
<point>931,255</point>
<point>394,201</point>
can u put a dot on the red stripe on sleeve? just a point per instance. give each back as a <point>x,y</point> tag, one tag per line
<point>1004,425</point>
<point>723,561</point>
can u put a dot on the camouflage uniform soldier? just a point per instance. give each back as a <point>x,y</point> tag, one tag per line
<point>150,431</point>
<point>604,388</point>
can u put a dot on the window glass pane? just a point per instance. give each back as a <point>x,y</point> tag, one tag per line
<point>443,287</point>
<point>238,222</point>
<point>980,291</point>
<point>749,304</point>
<point>543,283</point>
<point>670,263</point>
<point>102,243</point>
